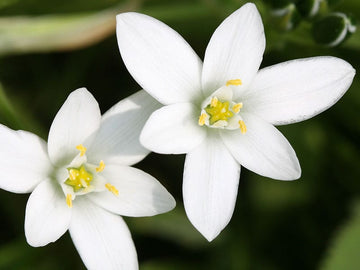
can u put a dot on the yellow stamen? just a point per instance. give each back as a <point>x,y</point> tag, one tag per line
<point>234,82</point>
<point>82,149</point>
<point>242,126</point>
<point>236,108</point>
<point>101,167</point>
<point>214,101</point>
<point>202,119</point>
<point>112,189</point>
<point>69,200</point>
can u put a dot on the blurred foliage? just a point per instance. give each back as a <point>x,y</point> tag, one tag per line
<point>21,34</point>
<point>344,251</point>
<point>50,48</point>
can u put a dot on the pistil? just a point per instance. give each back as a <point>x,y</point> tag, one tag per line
<point>219,112</point>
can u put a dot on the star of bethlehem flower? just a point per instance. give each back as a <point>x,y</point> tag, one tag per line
<point>222,112</point>
<point>82,180</point>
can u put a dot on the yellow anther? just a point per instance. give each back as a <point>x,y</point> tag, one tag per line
<point>214,102</point>
<point>112,189</point>
<point>69,200</point>
<point>82,149</point>
<point>242,126</point>
<point>234,82</point>
<point>202,119</point>
<point>101,166</point>
<point>236,108</point>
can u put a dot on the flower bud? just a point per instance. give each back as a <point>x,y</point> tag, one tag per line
<point>311,8</point>
<point>286,18</point>
<point>333,29</point>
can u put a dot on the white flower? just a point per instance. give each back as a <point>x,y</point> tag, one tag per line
<point>82,178</point>
<point>222,112</point>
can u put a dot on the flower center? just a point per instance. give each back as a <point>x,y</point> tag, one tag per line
<point>83,177</point>
<point>79,178</point>
<point>219,110</point>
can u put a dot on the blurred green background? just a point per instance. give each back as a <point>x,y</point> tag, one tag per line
<point>50,48</point>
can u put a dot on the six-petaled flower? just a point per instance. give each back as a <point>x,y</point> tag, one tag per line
<point>81,179</point>
<point>222,112</point>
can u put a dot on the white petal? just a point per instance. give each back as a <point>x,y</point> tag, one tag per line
<point>297,90</point>
<point>47,215</point>
<point>223,94</point>
<point>140,194</point>
<point>211,179</point>
<point>24,160</point>
<point>78,118</point>
<point>158,58</point>
<point>235,50</point>
<point>263,149</point>
<point>234,122</point>
<point>118,137</point>
<point>101,238</point>
<point>173,129</point>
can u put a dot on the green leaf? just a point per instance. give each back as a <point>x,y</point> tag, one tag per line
<point>24,34</point>
<point>173,226</point>
<point>16,117</point>
<point>8,115</point>
<point>165,265</point>
<point>344,253</point>
<point>5,3</point>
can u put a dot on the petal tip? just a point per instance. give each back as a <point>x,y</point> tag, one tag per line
<point>169,203</point>
<point>251,8</point>
<point>33,241</point>
<point>80,93</point>
<point>144,140</point>
<point>208,230</point>
<point>81,90</point>
<point>250,5</point>
<point>295,174</point>
<point>172,202</point>
<point>124,15</point>
<point>352,71</point>
<point>210,235</point>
